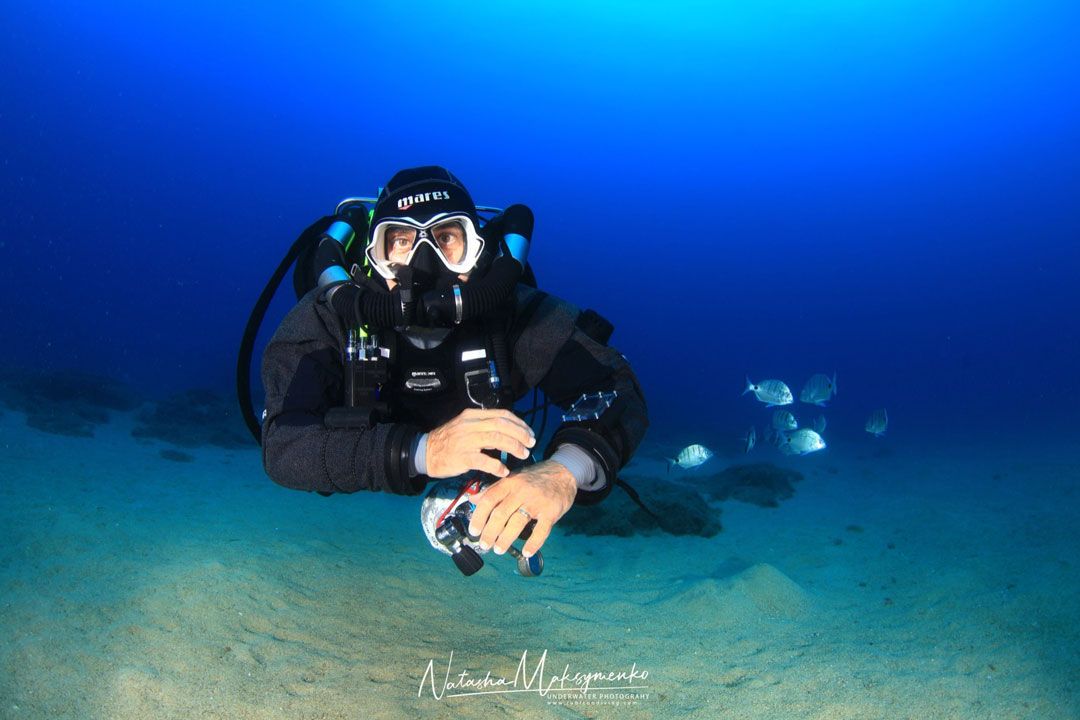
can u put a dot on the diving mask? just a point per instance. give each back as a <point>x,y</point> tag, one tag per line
<point>452,236</point>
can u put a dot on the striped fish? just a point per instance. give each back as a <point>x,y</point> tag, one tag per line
<point>877,423</point>
<point>689,457</point>
<point>749,440</point>
<point>818,390</point>
<point>783,420</point>
<point>770,392</point>
<point>801,442</point>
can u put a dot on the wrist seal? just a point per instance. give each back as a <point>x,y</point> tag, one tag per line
<point>399,460</point>
<point>601,451</point>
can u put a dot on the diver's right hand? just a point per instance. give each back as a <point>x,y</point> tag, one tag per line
<point>456,447</point>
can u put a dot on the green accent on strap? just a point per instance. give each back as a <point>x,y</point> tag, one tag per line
<point>362,330</point>
<point>370,215</point>
<point>348,245</point>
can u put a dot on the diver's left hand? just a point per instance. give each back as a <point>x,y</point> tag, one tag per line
<point>546,490</point>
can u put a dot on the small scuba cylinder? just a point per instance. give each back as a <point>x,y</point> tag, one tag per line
<point>350,223</point>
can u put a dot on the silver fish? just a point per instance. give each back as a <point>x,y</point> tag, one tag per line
<point>877,422</point>
<point>801,442</point>
<point>818,390</point>
<point>771,392</point>
<point>749,440</point>
<point>783,420</point>
<point>819,424</point>
<point>689,457</point>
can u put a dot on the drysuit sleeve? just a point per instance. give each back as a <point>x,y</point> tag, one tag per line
<point>552,352</point>
<point>303,377</point>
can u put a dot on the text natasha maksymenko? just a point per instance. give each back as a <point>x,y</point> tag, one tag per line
<point>459,683</point>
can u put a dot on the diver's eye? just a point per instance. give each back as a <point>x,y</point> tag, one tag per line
<point>448,234</point>
<point>397,232</point>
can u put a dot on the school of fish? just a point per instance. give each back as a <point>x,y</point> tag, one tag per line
<point>783,431</point>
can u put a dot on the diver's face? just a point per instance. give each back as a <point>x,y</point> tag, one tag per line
<point>449,237</point>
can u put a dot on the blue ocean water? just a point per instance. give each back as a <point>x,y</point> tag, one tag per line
<point>888,191</point>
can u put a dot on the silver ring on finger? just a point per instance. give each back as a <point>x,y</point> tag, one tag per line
<point>524,512</point>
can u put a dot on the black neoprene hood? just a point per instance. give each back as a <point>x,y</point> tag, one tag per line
<point>422,193</point>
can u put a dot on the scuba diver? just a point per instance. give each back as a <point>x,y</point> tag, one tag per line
<point>402,366</point>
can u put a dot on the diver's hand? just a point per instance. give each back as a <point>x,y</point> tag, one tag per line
<point>455,447</point>
<point>545,490</point>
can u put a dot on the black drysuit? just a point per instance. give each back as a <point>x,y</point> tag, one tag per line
<point>302,374</point>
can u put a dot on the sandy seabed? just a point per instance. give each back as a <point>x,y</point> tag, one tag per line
<point>941,583</point>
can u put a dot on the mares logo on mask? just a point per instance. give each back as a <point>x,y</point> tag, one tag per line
<point>409,200</point>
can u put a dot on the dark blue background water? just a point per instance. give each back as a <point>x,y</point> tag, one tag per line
<point>888,190</point>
